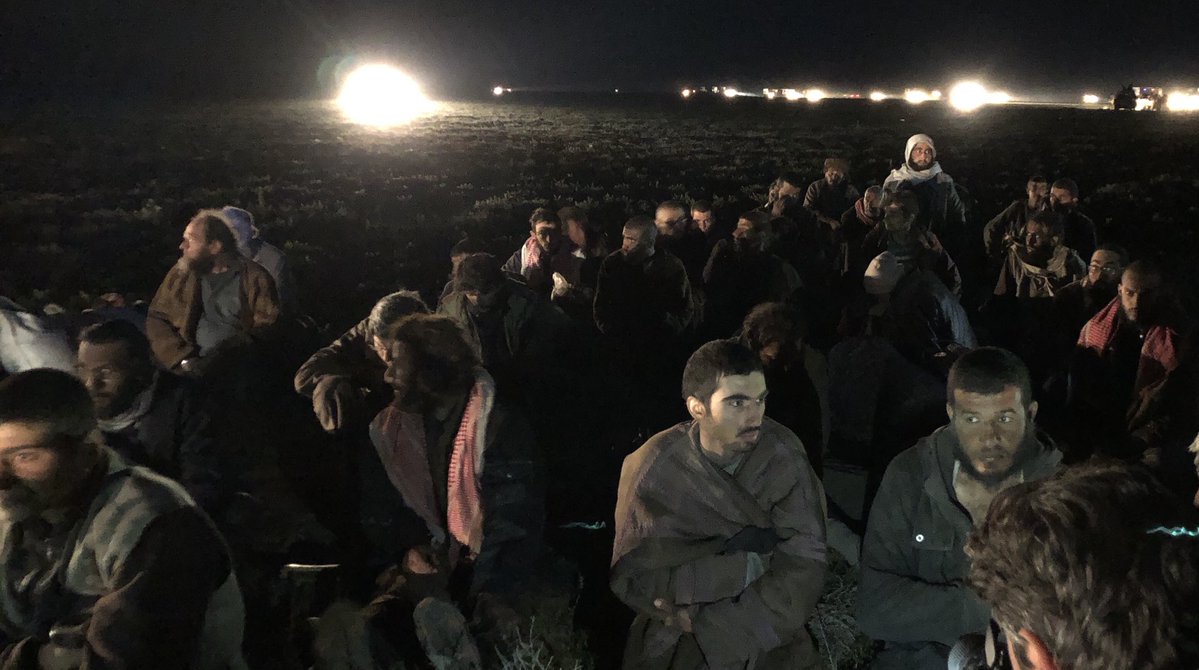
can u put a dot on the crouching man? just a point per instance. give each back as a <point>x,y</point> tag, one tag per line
<point>720,529</point>
<point>104,564</point>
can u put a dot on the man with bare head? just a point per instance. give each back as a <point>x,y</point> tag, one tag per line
<point>861,218</point>
<point>1008,226</point>
<point>678,235</point>
<point>1079,229</point>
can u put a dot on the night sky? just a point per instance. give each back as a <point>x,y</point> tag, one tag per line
<point>224,49</point>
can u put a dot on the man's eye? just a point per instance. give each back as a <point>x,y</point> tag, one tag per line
<point>737,403</point>
<point>972,419</point>
<point>26,457</point>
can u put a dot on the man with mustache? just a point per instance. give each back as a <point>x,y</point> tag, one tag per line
<point>104,564</point>
<point>913,595</point>
<point>720,529</point>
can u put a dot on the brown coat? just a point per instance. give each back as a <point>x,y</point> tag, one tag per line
<point>176,307</point>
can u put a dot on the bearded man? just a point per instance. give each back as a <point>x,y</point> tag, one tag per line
<point>213,301</point>
<point>914,596</point>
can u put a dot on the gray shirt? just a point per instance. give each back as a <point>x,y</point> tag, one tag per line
<point>221,316</point>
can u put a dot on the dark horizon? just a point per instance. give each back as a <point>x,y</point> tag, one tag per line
<point>295,48</point>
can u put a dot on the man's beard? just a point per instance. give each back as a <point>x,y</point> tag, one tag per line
<point>1023,454</point>
<point>21,500</point>
<point>201,265</point>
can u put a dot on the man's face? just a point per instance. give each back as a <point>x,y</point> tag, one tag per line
<point>670,222</point>
<point>635,243</point>
<point>873,201</point>
<point>112,377</point>
<point>1038,237</point>
<point>1061,200</point>
<point>991,430</point>
<point>703,220</point>
<point>576,233</point>
<point>31,469</point>
<point>778,353</point>
<point>548,236</point>
<point>198,253</point>
<point>483,302</point>
<point>895,219</point>
<point>401,376</point>
<point>1037,192</point>
<point>1138,296</point>
<point>834,175</point>
<point>922,156</point>
<point>1104,269</point>
<point>746,235</point>
<point>786,189</point>
<point>731,421</point>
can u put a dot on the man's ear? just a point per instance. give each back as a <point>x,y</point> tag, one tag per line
<point>696,408</point>
<point>949,411</point>
<point>1036,656</point>
<point>1032,410</point>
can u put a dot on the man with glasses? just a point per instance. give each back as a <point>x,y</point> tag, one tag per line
<point>1079,301</point>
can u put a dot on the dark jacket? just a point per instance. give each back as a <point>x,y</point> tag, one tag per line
<point>829,201</point>
<point>913,593</point>
<point>177,305</point>
<point>737,281</point>
<point>174,438</point>
<point>929,255</point>
<point>941,211</point>
<point>352,358</point>
<point>1080,234</point>
<point>925,320</point>
<point>691,248</point>
<point>1007,224</point>
<point>643,301</point>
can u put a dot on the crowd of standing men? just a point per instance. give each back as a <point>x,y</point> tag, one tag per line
<point>1041,481</point>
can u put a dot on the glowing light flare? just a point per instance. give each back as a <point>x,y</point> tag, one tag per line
<point>730,92</point>
<point>1090,99</point>
<point>916,95</point>
<point>877,96</point>
<point>687,93</point>
<point>998,98</point>
<point>771,95</point>
<point>1144,104</point>
<point>1181,101</point>
<point>381,95</point>
<point>968,96</point>
<point>815,95</point>
<point>792,94</point>
<point>935,95</point>
<point>498,90</point>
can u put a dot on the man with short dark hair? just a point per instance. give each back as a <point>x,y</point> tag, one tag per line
<point>345,379</point>
<point>742,273</point>
<point>1042,264</point>
<point>1097,567</point>
<point>105,564</point>
<point>720,529</point>
<point>827,198</point>
<point>643,294</point>
<point>679,237</point>
<point>149,416</point>
<point>912,245</point>
<point>544,253</point>
<point>864,216</point>
<point>913,594</point>
<point>1076,303</point>
<point>1008,226</point>
<point>213,302</point>
<point>1078,229</point>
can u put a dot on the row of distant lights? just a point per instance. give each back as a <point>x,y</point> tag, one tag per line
<point>966,96</point>
<point>1178,101</point>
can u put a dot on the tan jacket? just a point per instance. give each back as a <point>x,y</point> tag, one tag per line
<point>176,307</point>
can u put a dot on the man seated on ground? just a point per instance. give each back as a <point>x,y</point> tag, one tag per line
<point>829,197</point>
<point>1008,226</point>
<point>454,497</point>
<point>680,238</point>
<point>1132,379</point>
<point>345,379</point>
<point>1079,230</point>
<point>587,243</point>
<point>720,529</point>
<point>742,273</point>
<point>863,216</point>
<point>705,220</point>
<point>461,249</point>
<point>149,416</point>
<point>105,564</point>
<point>940,210</point>
<point>213,304</point>
<point>796,375</point>
<point>916,313</point>
<point>1076,303</point>
<point>270,257</point>
<point>913,594</point>
<point>643,293</point>
<point>544,253</point>
<point>912,245</point>
<point>1094,568</point>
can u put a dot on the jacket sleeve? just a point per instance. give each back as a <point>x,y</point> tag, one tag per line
<point>994,232</point>
<point>512,265</point>
<point>955,209</point>
<point>894,603</point>
<point>169,345</point>
<point>342,358</point>
<point>263,299</point>
<point>682,302</point>
<point>512,487</point>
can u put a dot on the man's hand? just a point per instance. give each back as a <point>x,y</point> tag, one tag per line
<point>333,402</point>
<point>674,617</point>
<point>753,539</point>
<point>421,561</point>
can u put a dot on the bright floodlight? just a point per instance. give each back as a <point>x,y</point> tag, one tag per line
<point>916,95</point>
<point>998,98</point>
<point>968,96</point>
<point>878,96</point>
<point>498,90</point>
<point>771,95</point>
<point>1181,101</point>
<point>381,95</point>
<point>1090,99</point>
<point>815,95</point>
<point>792,94</point>
<point>730,92</point>
<point>686,93</point>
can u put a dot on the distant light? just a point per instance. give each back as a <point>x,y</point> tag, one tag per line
<point>968,96</point>
<point>1144,104</point>
<point>998,98</point>
<point>815,95</point>
<point>916,95</point>
<point>686,93</point>
<point>935,95</point>
<point>792,94</point>
<point>771,95</point>
<point>1181,101</point>
<point>380,95</point>
<point>616,90</point>
<point>878,96</point>
<point>730,92</point>
<point>1090,99</point>
<point>498,90</point>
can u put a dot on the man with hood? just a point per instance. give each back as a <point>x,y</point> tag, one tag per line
<point>269,256</point>
<point>914,594</point>
<point>942,211</point>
